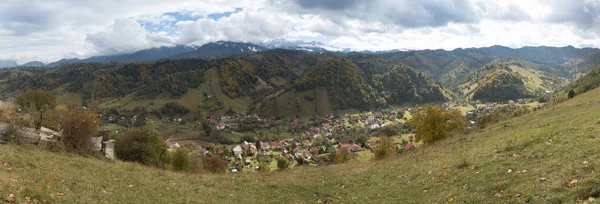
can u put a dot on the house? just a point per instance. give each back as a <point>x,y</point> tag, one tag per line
<point>374,126</point>
<point>237,151</point>
<point>345,141</point>
<point>409,146</point>
<point>220,126</point>
<point>355,148</point>
<point>249,148</point>
<point>264,146</point>
<point>345,147</point>
<point>276,145</point>
<point>306,143</point>
<point>371,145</point>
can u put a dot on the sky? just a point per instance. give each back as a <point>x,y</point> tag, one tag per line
<point>47,31</point>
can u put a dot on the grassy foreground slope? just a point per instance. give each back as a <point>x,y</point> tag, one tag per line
<point>547,156</point>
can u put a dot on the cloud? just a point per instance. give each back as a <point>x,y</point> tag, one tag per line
<point>328,4</point>
<point>50,30</point>
<point>404,13</point>
<point>584,14</point>
<point>250,26</point>
<point>125,35</point>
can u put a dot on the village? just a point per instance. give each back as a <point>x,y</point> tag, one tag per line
<point>315,138</point>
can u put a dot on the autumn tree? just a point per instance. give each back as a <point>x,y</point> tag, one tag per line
<point>78,126</point>
<point>385,147</point>
<point>144,146</point>
<point>433,124</point>
<point>215,164</point>
<point>37,101</point>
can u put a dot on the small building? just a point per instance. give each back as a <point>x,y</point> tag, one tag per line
<point>237,151</point>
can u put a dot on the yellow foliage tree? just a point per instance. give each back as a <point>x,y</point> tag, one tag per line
<point>433,124</point>
<point>385,147</point>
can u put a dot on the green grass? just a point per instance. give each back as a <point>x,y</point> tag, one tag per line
<point>554,146</point>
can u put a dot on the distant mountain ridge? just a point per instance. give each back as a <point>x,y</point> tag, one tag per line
<point>142,55</point>
<point>8,63</point>
<point>434,62</point>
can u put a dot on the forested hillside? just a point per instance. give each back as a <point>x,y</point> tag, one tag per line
<point>405,84</point>
<point>292,82</point>
<point>507,80</point>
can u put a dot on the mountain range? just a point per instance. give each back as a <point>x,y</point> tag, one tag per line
<point>569,56</point>
<point>293,78</point>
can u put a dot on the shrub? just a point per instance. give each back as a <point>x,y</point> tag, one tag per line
<point>263,167</point>
<point>144,146</point>
<point>342,156</point>
<point>215,164</point>
<point>181,160</point>
<point>78,126</point>
<point>197,163</point>
<point>385,147</point>
<point>571,94</point>
<point>282,162</point>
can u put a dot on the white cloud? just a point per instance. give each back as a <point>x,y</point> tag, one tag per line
<point>247,25</point>
<point>50,30</point>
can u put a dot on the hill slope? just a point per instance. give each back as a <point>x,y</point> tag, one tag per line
<point>547,149</point>
<point>507,80</point>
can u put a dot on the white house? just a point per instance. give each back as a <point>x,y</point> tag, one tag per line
<point>237,150</point>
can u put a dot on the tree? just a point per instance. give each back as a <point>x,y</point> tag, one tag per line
<point>181,160</point>
<point>263,167</point>
<point>211,148</point>
<point>227,151</point>
<point>37,101</point>
<point>144,146</point>
<point>247,138</point>
<point>78,126</point>
<point>389,131</point>
<point>385,147</point>
<point>433,124</point>
<point>571,93</point>
<point>282,162</point>
<point>215,164</point>
<point>362,140</point>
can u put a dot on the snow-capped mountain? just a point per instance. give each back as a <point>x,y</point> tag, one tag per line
<point>309,46</point>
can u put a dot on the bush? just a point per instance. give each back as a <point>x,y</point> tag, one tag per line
<point>571,94</point>
<point>78,126</point>
<point>181,160</point>
<point>197,163</point>
<point>263,167</point>
<point>144,146</point>
<point>282,162</point>
<point>385,147</point>
<point>215,164</point>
